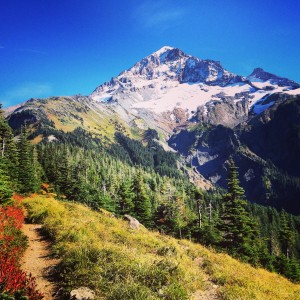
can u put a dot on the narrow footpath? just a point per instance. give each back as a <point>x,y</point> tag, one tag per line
<point>38,261</point>
<point>211,291</point>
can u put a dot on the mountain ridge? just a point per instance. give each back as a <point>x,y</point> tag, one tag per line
<point>154,94</point>
<point>169,80</point>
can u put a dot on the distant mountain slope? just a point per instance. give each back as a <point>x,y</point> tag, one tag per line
<point>266,148</point>
<point>68,113</point>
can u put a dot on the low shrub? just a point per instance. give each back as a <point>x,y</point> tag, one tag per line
<point>14,283</point>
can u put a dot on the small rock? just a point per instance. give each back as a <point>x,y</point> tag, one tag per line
<point>161,293</point>
<point>82,293</point>
<point>133,223</point>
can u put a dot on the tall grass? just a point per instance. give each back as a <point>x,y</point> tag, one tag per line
<point>103,253</point>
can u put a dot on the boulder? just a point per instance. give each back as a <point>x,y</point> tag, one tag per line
<point>133,223</point>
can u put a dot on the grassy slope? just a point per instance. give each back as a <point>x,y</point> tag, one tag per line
<point>103,253</point>
<point>68,113</point>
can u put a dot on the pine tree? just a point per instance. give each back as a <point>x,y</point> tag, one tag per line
<point>142,205</point>
<point>126,197</point>
<point>64,176</point>
<point>8,161</point>
<point>38,172</point>
<point>26,174</point>
<point>8,155</point>
<point>286,234</point>
<point>6,191</point>
<point>236,225</point>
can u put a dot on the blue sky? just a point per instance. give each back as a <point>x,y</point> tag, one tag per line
<point>67,47</point>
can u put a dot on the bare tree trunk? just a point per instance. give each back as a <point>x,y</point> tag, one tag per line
<point>3,147</point>
<point>199,213</point>
<point>210,212</point>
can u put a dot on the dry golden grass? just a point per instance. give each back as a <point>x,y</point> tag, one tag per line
<point>102,252</point>
<point>37,139</point>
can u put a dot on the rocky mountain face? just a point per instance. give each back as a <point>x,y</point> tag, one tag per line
<point>263,76</point>
<point>199,109</point>
<point>169,81</point>
<point>265,147</point>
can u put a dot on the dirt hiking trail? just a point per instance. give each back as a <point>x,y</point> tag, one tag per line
<point>38,261</point>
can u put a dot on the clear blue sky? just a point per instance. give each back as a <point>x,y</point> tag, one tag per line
<point>67,47</point>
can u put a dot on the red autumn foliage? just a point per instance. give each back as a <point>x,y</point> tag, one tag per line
<point>12,215</point>
<point>17,198</point>
<point>12,246</point>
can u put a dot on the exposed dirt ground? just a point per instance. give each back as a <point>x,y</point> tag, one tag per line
<point>38,261</point>
<point>211,289</point>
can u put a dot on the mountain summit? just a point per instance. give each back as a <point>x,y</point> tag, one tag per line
<point>169,87</point>
<point>261,75</point>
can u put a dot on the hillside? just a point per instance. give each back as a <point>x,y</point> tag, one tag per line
<point>265,148</point>
<point>118,262</point>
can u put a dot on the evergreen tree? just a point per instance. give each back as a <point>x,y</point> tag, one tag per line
<point>142,205</point>
<point>8,156</point>
<point>8,161</point>
<point>38,172</point>
<point>63,178</point>
<point>286,234</point>
<point>126,197</point>
<point>26,174</point>
<point>236,225</point>
<point>6,191</point>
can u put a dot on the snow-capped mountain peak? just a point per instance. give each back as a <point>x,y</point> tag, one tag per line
<point>260,75</point>
<point>169,80</point>
<point>163,50</point>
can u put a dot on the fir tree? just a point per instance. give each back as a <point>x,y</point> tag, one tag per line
<point>8,154</point>
<point>142,205</point>
<point>6,164</point>
<point>286,234</point>
<point>236,225</point>
<point>26,174</point>
<point>126,197</point>
<point>6,191</point>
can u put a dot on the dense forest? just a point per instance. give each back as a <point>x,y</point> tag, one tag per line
<point>143,180</point>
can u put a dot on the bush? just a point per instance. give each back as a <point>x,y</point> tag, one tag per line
<point>14,283</point>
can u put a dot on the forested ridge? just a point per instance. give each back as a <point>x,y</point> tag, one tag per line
<point>143,180</point>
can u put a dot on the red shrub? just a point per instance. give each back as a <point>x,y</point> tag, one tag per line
<point>17,198</point>
<point>12,246</point>
<point>14,215</point>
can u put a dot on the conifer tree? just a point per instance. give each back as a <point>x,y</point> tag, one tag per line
<point>64,174</point>
<point>6,191</point>
<point>126,197</point>
<point>8,154</point>
<point>236,225</point>
<point>37,169</point>
<point>26,172</point>
<point>142,205</point>
<point>286,235</point>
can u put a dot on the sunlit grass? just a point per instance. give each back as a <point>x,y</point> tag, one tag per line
<point>105,254</point>
<point>37,139</point>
